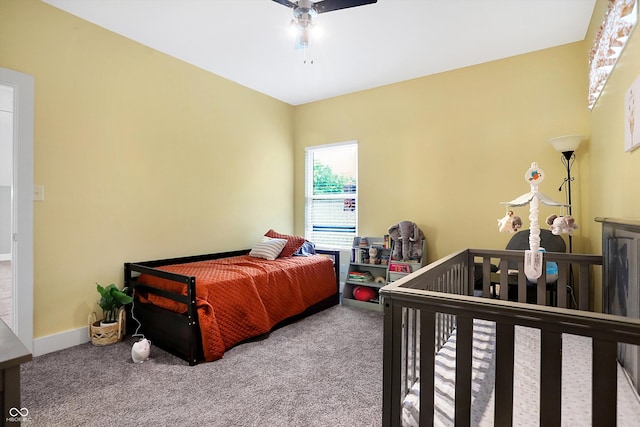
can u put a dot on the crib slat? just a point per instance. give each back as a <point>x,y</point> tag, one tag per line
<point>392,371</point>
<point>405,347</point>
<point>504,374</point>
<point>604,395</point>
<point>414,338</point>
<point>504,280</point>
<point>486,277</point>
<point>583,287</point>
<point>427,366</point>
<point>542,289</point>
<point>561,286</point>
<point>551,373</point>
<point>464,357</point>
<point>522,283</point>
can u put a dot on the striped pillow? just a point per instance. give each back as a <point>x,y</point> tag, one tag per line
<point>268,248</point>
<point>293,242</point>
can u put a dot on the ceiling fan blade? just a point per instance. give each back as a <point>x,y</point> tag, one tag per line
<point>286,3</point>
<point>330,5</point>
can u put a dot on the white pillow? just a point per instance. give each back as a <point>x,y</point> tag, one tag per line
<point>268,248</point>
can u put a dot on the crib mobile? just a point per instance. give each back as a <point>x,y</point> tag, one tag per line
<point>533,257</point>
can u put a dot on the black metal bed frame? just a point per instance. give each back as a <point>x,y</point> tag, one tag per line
<point>179,334</point>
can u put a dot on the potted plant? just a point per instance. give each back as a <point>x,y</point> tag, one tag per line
<point>111,300</point>
<point>111,329</point>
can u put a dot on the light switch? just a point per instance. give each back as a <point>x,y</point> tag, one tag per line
<point>38,193</point>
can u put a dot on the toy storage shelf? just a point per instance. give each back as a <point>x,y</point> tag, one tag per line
<point>399,269</point>
<point>365,277</point>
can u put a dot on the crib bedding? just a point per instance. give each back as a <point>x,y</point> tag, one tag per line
<point>242,297</point>
<point>576,382</point>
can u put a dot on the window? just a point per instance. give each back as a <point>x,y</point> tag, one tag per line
<point>331,210</point>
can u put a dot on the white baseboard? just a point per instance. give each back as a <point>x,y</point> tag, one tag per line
<point>60,341</point>
<point>5,257</point>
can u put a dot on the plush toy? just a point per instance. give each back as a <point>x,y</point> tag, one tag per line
<point>374,255</point>
<point>408,239</point>
<point>140,350</point>
<point>510,223</point>
<point>516,223</point>
<point>562,224</point>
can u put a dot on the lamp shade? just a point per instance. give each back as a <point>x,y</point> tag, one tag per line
<point>566,143</point>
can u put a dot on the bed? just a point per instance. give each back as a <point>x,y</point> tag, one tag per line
<point>197,307</point>
<point>455,356</point>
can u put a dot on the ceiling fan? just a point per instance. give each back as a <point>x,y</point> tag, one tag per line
<point>304,11</point>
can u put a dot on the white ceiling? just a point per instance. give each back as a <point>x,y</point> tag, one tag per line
<point>248,41</point>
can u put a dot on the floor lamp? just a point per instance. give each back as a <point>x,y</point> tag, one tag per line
<point>567,145</point>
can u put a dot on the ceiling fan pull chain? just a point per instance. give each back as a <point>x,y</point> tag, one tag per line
<point>304,60</point>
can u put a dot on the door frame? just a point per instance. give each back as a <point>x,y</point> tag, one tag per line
<point>22,203</point>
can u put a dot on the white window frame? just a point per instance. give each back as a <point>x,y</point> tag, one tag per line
<point>309,151</point>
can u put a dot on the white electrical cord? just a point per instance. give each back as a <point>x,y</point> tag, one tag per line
<point>141,348</point>
<point>136,334</point>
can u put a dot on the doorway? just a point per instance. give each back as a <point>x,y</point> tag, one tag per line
<point>6,183</point>
<point>16,203</point>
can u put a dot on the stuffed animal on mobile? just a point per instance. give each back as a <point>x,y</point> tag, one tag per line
<point>140,350</point>
<point>510,222</point>
<point>562,224</point>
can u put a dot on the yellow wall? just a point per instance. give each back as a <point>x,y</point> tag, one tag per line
<point>142,156</point>
<point>445,150</point>
<point>613,185</point>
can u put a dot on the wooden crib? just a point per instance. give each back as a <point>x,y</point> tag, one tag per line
<point>432,307</point>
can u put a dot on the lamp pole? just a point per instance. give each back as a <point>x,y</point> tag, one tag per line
<point>568,157</point>
<point>567,145</point>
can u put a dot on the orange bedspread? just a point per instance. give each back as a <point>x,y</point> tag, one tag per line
<point>242,297</point>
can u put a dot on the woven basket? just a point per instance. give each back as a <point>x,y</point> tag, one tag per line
<point>105,335</point>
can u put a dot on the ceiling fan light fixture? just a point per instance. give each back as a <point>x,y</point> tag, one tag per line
<point>317,31</point>
<point>305,12</point>
<point>302,32</point>
<point>293,28</point>
<point>303,38</point>
<point>304,15</point>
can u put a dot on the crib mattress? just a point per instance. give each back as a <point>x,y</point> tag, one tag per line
<point>576,382</point>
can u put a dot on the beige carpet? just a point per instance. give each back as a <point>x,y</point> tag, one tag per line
<point>5,293</point>
<point>325,370</point>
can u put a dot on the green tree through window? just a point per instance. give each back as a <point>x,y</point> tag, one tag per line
<point>325,181</point>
